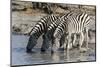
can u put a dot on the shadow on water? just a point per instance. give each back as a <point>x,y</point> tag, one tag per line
<point>20,57</point>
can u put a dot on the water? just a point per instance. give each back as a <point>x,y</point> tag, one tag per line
<point>20,57</point>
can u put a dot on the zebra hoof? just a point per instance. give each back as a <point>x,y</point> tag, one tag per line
<point>82,50</point>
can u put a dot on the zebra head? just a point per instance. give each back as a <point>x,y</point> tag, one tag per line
<point>31,43</point>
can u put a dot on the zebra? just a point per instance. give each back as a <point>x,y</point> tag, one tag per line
<point>76,23</point>
<point>39,29</point>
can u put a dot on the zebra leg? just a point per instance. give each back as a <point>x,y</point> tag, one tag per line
<point>55,45</point>
<point>81,42</point>
<point>69,41</point>
<point>87,38</point>
<point>31,43</point>
<point>63,41</point>
<point>73,41</point>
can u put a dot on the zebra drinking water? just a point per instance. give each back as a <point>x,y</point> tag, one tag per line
<point>40,28</point>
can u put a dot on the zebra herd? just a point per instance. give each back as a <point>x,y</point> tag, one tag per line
<point>61,31</point>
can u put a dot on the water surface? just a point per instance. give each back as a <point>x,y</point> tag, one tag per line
<point>20,57</point>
